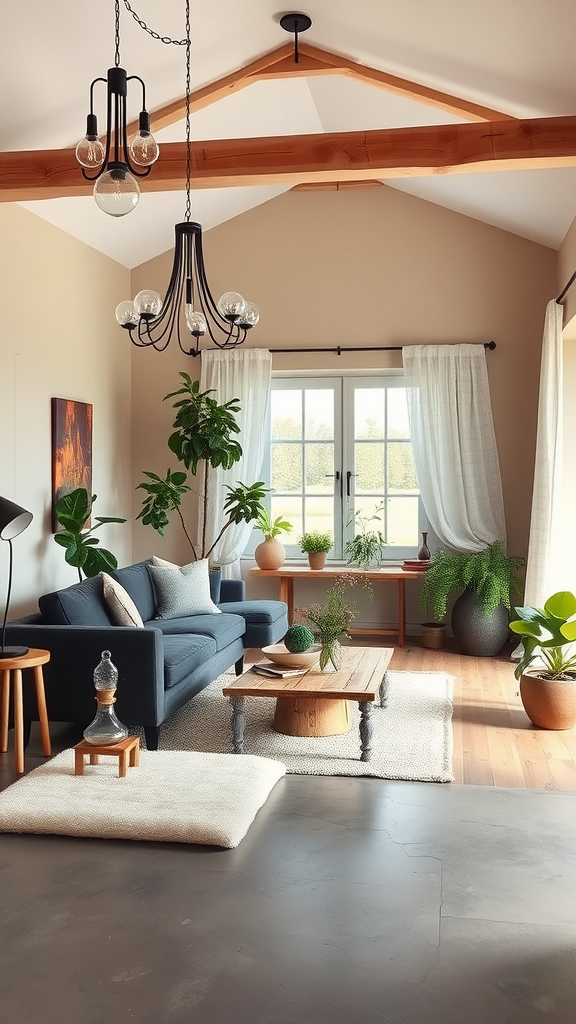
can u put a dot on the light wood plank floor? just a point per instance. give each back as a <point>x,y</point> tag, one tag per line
<point>495,744</point>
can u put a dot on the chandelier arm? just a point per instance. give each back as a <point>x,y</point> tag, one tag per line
<point>127,161</point>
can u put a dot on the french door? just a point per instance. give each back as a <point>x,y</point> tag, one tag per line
<point>339,448</point>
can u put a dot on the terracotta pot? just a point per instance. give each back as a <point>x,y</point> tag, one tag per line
<point>549,703</point>
<point>316,559</point>
<point>433,635</point>
<point>270,554</point>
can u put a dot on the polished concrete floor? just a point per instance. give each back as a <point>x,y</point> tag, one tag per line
<point>350,901</point>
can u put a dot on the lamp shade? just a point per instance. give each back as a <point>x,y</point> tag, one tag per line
<point>13,519</point>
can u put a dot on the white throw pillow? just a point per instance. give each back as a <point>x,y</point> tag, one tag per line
<point>123,611</point>
<point>181,590</point>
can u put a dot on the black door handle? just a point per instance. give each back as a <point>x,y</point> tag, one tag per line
<point>349,476</point>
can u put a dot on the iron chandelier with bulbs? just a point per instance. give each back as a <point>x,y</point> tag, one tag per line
<point>153,322</point>
<point>117,163</point>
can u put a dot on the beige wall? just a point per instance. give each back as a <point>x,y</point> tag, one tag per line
<point>370,267</point>
<point>58,339</point>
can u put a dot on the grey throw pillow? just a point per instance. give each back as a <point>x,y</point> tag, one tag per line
<point>181,590</point>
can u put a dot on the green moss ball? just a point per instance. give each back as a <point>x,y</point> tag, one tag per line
<point>298,639</point>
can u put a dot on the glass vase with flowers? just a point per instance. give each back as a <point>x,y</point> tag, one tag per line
<point>330,622</point>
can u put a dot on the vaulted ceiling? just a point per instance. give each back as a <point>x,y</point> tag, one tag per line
<point>472,107</point>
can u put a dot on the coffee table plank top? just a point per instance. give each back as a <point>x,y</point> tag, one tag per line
<point>359,678</point>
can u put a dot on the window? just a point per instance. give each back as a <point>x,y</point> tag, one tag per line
<point>340,446</point>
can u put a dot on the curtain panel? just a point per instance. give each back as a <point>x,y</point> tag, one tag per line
<point>244,375</point>
<point>546,568</point>
<point>454,444</point>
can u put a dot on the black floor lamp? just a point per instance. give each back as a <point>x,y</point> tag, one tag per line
<point>13,521</point>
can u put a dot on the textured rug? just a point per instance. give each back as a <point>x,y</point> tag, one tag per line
<point>175,797</point>
<point>412,736</point>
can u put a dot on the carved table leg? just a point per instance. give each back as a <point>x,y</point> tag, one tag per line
<point>238,723</point>
<point>366,729</point>
<point>384,688</point>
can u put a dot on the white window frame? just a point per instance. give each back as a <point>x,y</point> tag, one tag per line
<point>343,385</point>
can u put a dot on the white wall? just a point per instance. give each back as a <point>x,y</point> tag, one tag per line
<point>58,339</point>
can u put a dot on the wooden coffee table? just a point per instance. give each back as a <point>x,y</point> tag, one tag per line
<point>315,703</point>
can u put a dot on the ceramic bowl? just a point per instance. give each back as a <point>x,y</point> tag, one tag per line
<point>279,654</point>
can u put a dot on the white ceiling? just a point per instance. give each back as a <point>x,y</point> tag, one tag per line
<point>512,55</point>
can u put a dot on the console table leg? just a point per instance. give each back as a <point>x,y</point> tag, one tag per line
<point>366,729</point>
<point>238,724</point>
<point>384,690</point>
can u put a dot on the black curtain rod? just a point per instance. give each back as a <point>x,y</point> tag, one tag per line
<point>565,289</point>
<point>374,348</point>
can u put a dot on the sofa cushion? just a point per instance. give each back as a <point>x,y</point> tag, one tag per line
<point>136,580</point>
<point>121,607</point>
<point>266,621</point>
<point>184,654</point>
<point>223,629</point>
<point>181,590</point>
<point>79,605</point>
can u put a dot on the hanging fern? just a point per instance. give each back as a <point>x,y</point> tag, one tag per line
<point>490,573</point>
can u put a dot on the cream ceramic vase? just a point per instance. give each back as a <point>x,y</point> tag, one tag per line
<point>270,554</point>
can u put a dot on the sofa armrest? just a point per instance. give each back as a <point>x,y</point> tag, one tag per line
<point>232,590</point>
<point>75,652</point>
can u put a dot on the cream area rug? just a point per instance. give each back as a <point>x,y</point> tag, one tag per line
<point>173,796</point>
<point>412,736</point>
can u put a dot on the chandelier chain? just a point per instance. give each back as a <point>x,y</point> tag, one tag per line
<point>117,34</point>
<point>150,31</point>
<point>188,169</point>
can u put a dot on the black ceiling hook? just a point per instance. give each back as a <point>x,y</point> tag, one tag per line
<point>295,23</point>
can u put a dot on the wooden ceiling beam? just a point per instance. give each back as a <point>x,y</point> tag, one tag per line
<point>293,160</point>
<point>313,61</point>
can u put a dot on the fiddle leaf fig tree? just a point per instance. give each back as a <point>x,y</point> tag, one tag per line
<point>72,511</point>
<point>203,439</point>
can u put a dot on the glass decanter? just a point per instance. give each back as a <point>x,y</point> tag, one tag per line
<point>105,729</point>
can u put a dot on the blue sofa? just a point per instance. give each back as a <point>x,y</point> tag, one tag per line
<point>160,667</point>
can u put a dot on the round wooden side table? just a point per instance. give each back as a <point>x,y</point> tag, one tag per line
<point>11,669</point>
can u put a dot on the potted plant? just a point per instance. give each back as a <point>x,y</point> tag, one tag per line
<point>366,547</point>
<point>271,553</point>
<point>484,580</point>
<point>316,545</point>
<point>548,691</point>
<point>204,439</point>
<point>72,512</point>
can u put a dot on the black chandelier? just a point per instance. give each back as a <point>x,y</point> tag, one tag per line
<point>152,322</point>
<point>118,163</point>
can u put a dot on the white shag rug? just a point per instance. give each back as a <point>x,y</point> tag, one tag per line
<point>412,736</point>
<point>173,796</point>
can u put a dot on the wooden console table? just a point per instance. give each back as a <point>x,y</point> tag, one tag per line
<point>287,574</point>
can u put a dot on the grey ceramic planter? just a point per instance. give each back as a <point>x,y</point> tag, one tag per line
<point>478,634</point>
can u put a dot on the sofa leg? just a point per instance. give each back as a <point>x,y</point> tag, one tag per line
<point>239,666</point>
<point>152,736</point>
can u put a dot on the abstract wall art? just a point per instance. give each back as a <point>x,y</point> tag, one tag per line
<point>71,449</point>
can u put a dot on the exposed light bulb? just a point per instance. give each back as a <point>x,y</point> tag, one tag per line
<point>126,314</point>
<point>90,152</point>
<point>195,322</point>
<point>116,191</point>
<point>144,150</point>
<point>231,306</point>
<point>147,304</point>
<point>249,317</point>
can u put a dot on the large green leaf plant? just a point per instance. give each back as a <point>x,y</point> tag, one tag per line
<point>204,438</point>
<point>72,512</point>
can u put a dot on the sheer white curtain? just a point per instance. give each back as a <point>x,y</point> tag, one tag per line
<point>454,444</point>
<point>244,375</point>
<point>545,572</point>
